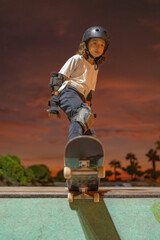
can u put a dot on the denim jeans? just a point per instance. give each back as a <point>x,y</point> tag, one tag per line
<point>71,99</point>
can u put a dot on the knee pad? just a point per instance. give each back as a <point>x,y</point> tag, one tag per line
<point>84,116</point>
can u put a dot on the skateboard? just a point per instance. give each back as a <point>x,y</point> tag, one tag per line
<point>83,167</point>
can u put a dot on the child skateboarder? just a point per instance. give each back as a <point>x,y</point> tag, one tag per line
<point>72,86</point>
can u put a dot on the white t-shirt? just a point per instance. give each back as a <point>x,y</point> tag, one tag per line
<point>80,74</point>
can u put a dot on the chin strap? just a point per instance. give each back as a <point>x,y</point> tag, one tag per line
<point>95,60</point>
<point>95,65</point>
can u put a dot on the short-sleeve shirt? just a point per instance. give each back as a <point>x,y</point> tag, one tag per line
<point>80,74</point>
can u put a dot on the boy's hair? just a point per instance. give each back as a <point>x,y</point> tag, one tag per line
<point>82,50</point>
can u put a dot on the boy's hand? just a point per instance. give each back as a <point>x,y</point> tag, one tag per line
<point>89,103</point>
<point>55,115</point>
<point>53,111</point>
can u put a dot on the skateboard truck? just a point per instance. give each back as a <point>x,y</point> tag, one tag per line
<point>83,189</point>
<point>84,163</point>
<point>84,195</point>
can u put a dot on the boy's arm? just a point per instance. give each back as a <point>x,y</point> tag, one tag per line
<point>56,82</point>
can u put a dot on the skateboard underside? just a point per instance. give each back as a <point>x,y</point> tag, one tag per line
<point>83,167</point>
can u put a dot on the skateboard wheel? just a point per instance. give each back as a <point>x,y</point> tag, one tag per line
<point>67,172</point>
<point>96,197</point>
<point>101,172</point>
<point>70,197</point>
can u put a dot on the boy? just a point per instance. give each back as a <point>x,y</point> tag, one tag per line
<point>72,87</point>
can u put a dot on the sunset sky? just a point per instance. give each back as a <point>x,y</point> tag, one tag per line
<point>38,36</point>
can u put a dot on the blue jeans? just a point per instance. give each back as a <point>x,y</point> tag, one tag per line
<point>71,99</point>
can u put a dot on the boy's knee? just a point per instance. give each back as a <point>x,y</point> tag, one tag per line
<point>84,116</point>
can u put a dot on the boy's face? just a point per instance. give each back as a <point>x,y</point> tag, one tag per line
<point>96,47</point>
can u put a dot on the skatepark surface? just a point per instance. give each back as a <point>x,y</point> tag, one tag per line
<point>38,213</point>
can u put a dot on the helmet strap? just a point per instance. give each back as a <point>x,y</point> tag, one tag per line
<point>95,64</point>
<point>95,59</point>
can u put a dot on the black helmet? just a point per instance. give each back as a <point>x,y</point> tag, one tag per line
<point>96,32</point>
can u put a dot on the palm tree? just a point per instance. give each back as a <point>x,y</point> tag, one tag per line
<point>158,144</point>
<point>131,157</point>
<point>133,168</point>
<point>115,164</point>
<point>108,174</point>
<point>153,157</point>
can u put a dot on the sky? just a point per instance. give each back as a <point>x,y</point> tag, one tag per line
<point>37,37</point>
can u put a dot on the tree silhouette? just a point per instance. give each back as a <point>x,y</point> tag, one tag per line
<point>133,168</point>
<point>149,173</point>
<point>153,157</point>
<point>115,164</point>
<point>131,157</point>
<point>42,173</point>
<point>60,176</point>
<point>13,172</point>
<point>108,174</point>
<point>158,144</point>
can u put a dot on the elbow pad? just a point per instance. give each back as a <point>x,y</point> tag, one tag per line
<point>56,81</point>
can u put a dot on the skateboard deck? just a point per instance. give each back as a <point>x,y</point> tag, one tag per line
<point>83,161</point>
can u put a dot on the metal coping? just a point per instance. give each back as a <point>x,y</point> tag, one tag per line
<point>61,192</point>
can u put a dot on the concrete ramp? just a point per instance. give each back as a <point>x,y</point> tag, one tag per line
<point>43,213</point>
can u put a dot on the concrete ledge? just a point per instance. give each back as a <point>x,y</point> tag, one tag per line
<point>61,192</point>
